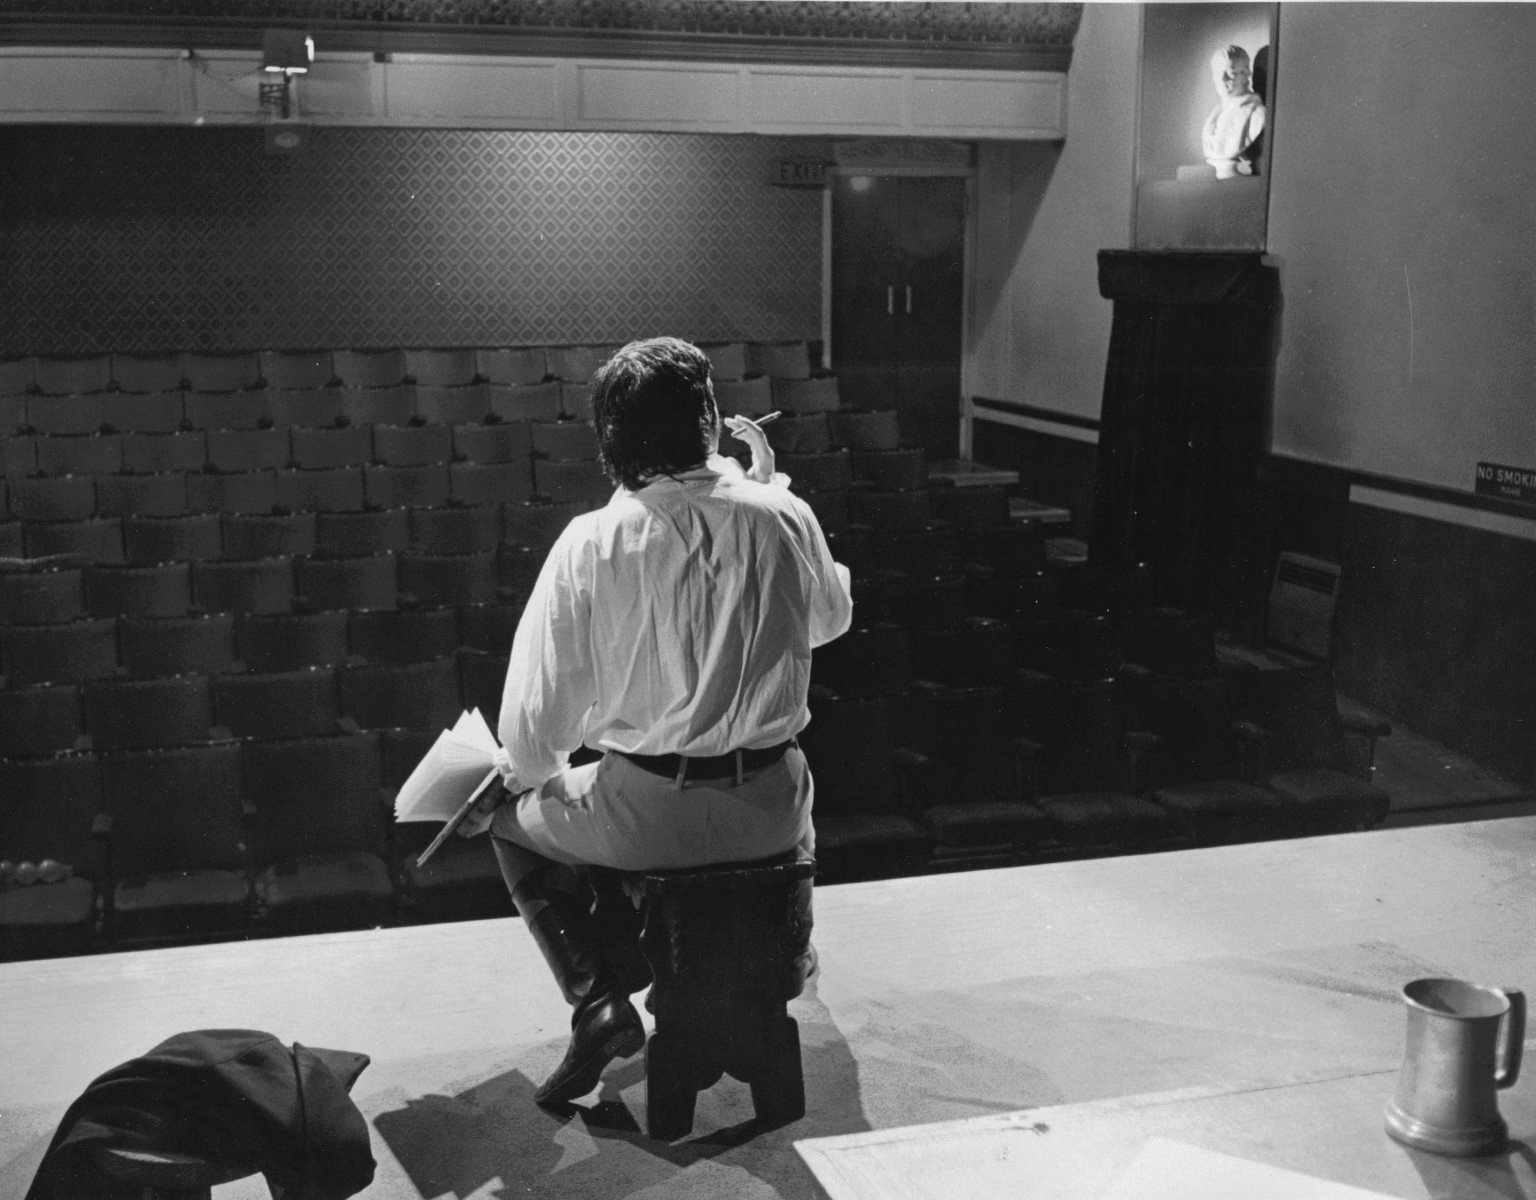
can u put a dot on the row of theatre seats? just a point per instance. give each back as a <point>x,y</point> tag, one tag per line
<point>219,663</point>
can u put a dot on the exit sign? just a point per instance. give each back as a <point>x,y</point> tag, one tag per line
<point>799,172</point>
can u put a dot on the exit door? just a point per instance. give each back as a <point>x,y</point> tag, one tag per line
<point>898,286</point>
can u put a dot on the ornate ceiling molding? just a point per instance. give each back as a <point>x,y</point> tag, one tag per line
<point>981,35</point>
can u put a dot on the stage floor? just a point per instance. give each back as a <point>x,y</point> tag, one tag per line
<point>939,997</point>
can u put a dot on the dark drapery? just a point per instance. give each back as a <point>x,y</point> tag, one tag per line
<point>1184,421</point>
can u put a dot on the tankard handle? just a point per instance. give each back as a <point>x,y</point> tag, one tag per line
<point>1511,1040</point>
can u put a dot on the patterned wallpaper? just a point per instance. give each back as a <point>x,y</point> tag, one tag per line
<point>974,23</point>
<point>146,239</point>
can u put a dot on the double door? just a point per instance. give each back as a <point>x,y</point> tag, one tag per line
<point>898,288</point>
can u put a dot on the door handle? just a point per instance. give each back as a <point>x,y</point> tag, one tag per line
<point>890,300</point>
<point>909,299</point>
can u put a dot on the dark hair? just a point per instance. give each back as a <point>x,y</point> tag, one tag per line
<point>653,410</point>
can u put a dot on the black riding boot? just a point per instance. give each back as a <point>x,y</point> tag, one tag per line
<point>604,1025</point>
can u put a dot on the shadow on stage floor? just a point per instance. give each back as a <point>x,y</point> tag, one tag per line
<point>491,1140</point>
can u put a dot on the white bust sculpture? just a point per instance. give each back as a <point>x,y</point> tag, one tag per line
<point>1235,124</point>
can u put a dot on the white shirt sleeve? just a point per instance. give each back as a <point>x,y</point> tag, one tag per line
<point>831,598</point>
<point>550,678</point>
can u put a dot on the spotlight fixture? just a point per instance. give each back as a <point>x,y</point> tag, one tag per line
<point>284,54</point>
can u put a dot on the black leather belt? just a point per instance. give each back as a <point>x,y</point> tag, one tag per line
<point>714,766</point>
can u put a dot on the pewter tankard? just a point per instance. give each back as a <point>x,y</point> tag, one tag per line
<point>1447,1097</point>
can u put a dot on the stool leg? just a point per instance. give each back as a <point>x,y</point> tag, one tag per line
<point>669,1091</point>
<point>778,1094</point>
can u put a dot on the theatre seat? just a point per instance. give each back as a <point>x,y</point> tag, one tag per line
<point>16,375</point>
<point>341,446</point>
<point>870,660</point>
<point>974,808</point>
<point>361,534</point>
<point>538,522</point>
<point>411,696</point>
<point>206,372</point>
<point>525,402</point>
<point>41,595</point>
<point>727,360</point>
<point>150,412</point>
<point>394,404</point>
<point>92,454</point>
<point>333,583</point>
<point>18,455</point>
<point>474,483</point>
<point>156,451</point>
<point>518,567</point>
<point>806,395</point>
<point>147,372</point>
<point>71,652</point>
<point>48,811</point>
<point>462,529</point>
<point>576,364</point>
<point>278,704</point>
<point>514,365</point>
<point>438,367</point>
<point>248,449</point>
<point>239,492</point>
<point>159,495</point>
<point>1169,641</point>
<point>869,791</point>
<point>495,442</point>
<point>489,627</point>
<point>190,538</point>
<point>267,535</point>
<point>304,408</point>
<point>291,641</point>
<point>1205,762</point>
<point>460,882</point>
<point>66,374</point>
<point>782,360</point>
<point>976,652</point>
<point>369,368</point>
<point>793,434</point>
<point>65,498</point>
<point>933,549</point>
<point>178,844</point>
<point>869,430</point>
<point>96,540</point>
<point>920,600</point>
<point>563,480</point>
<point>412,445</point>
<point>441,580</point>
<point>971,506</point>
<point>1308,754</point>
<point>453,405</point>
<point>224,410</point>
<point>1082,765</point>
<point>152,647</point>
<point>331,490</point>
<point>1070,644</point>
<point>320,833</point>
<point>143,713</point>
<point>745,397</point>
<point>895,470</point>
<point>407,487</point>
<point>417,635</point>
<point>482,679</point>
<point>263,585</point>
<point>1012,551</point>
<point>37,722</point>
<point>295,368</point>
<point>162,590</point>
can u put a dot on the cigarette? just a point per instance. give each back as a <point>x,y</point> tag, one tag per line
<point>761,421</point>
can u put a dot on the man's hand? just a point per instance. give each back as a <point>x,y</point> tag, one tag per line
<point>479,819</point>
<point>762,452</point>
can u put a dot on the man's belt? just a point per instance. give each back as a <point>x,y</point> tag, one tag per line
<point>713,766</point>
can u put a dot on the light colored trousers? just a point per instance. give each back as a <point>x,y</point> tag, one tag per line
<point>612,813</point>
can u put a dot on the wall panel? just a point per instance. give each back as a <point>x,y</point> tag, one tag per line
<point>145,239</point>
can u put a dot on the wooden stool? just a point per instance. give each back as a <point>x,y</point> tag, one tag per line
<point>721,944</point>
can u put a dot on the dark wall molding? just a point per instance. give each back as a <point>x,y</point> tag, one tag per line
<point>982,404</point>
<point>1330,482</point>
<point>962,36</point>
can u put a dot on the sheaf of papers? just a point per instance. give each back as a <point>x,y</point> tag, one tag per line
<point>1169,1170</point>
<point>455,766</point>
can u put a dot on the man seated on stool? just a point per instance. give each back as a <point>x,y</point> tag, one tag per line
<point>672,630</point>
